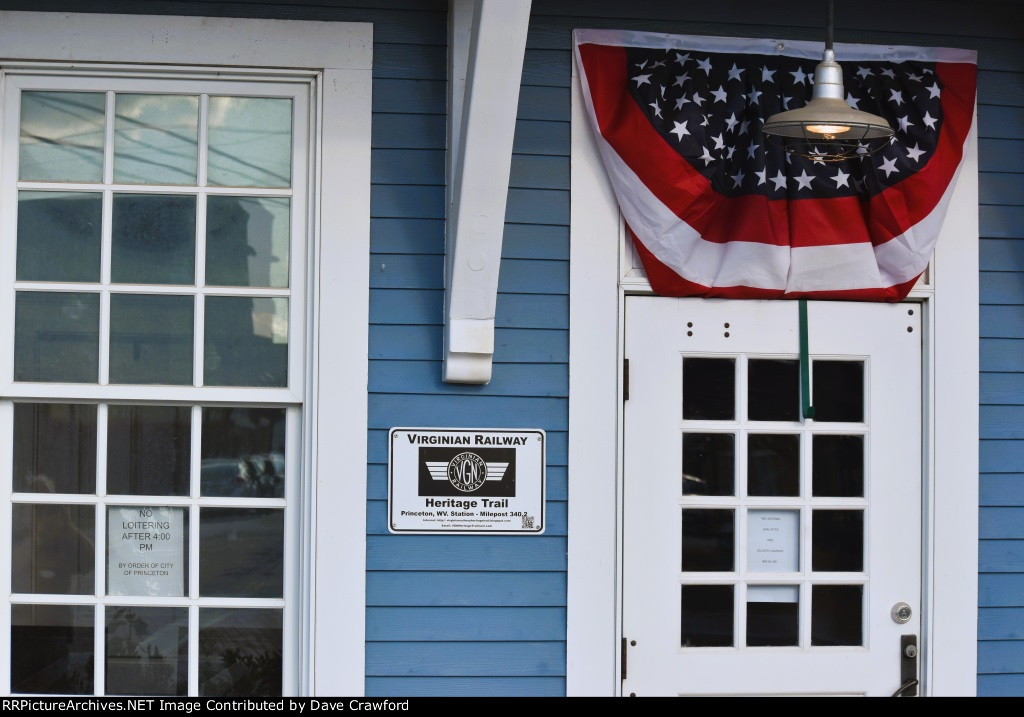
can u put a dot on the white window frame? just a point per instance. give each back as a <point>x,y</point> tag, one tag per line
<point>598,286</point>
<point>337,58</point>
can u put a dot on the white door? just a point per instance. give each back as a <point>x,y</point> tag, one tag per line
<point>764,553</point>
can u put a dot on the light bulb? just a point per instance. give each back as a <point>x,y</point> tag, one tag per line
<point>827,129</point>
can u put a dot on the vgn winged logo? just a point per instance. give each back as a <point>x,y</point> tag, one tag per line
<point>456,471</point>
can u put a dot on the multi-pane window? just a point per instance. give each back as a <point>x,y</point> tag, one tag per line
<point>153,283</point>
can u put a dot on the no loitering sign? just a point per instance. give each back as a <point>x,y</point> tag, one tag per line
<point>466,480</point>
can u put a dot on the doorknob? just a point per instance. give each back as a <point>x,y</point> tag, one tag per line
<point>908,667</point>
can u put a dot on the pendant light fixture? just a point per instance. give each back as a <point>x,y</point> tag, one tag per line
<point>827,128</point>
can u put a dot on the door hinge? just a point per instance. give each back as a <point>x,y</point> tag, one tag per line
<point>625,380</point>
<point>624,651</point>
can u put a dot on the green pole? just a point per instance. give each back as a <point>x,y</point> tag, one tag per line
<point>805,364</point>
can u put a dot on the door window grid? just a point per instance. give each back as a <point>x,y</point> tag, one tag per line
<point>741,579</point>
<point>199,292</point>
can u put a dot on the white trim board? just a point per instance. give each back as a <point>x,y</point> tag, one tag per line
<point>596,298</point>
<point>336,58</point>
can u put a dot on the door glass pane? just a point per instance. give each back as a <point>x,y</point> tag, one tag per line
<point>838,390</point>
<point>709,461</point>
<point>246,341</point>
<point>62,136</point>
<point>709,389</point>
<point>239,652</point>
<point>52,548</point>
<point>151,339</point>
<point>837,615</point>
<point>156,139</point>
<point>243,452</point>
<point>241,552</point>
<point>773,390</point>
<point>773,464</point>
<point>838,466</point>
<point>147,650</point>
<point>52,649</point>
<point>153,239</point>
<point>838,541</point>
<point>773,541</point>
<point>56,337</point>
<point>247,241</point>
<point>54,448</point>
<point>708,539</point>
<point>706,616</point>
<point>59,236</point>
<point>148,450</point>
<point>250,142</point>
<point>773,615</point>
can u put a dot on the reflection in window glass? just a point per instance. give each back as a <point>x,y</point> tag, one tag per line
<point>773,464</point>
<point>54,448</point>
<point>62,136</point>
<point>243,452</point>
<point>241,552</point>
<point>56,337</point>
<point>151,339</point>
<point>250,142</point>
<point>240,652</point>
<point>246,341</point>
<point>52,548</point>
<point>156,139</point>
<point>147,650</point>
<point>59,236</point>
<point>709,389</point>
<point>153,239</point>
<point>247,241</point>
<point>706,616</point>
<point>148,449</point>
<point>709,463</point>
<point>52,649</point>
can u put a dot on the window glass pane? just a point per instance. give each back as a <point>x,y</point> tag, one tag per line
<point>247,241</point>
<point>250,142</point>
<point>709,389</point>
<point>56,337</point>
<point>708,539</point>
<point>147,650</point>
<point>838,466</point>
<point>54,448</point>
<point>773,541</point>
<point>52,548</point>
<point>246,341</point>
<point>706,616</point>
<point>151,339</point>
<point>147,549</point>
<point>156,139</point>
<point>62,136</point>
<point>773,464</point>
<point>773,615</point>
<point>836,615</point>
<point>838,391</point>
<point>153,239</point>
<point>148,449</point>
<point>774,390</point>
<point>240,652</point>
<point>59,236</point>
<point>243,452</point>
<point>52,649</point>
<point>709,461</point>
<point>838,540</point>
<point>241,552</point>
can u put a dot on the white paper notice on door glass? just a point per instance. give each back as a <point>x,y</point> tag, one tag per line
<point>773,541</point>
<point>146,551</point>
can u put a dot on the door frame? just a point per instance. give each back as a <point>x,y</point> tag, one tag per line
<point>599,281</point>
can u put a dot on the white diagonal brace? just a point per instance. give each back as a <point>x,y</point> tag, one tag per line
<point>482,123</point>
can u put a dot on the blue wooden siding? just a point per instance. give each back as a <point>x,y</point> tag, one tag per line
<point>449,615</point>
